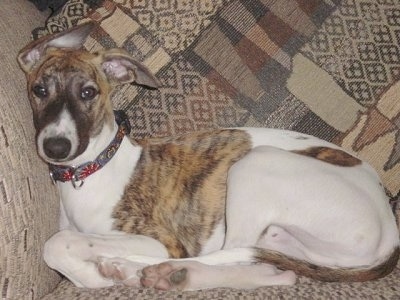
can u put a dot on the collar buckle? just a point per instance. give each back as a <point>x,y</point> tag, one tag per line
<point>53,180</point>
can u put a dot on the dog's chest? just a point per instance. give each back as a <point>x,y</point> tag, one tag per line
<point>89,209</point>
<point>92,212</point>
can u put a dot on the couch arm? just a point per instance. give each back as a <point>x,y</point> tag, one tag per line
<point>28,201</point>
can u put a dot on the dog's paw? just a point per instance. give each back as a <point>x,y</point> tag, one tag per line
<point>120,270</point>
<point>164,277</point>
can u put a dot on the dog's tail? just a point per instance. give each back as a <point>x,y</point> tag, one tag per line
<point>324,273</point>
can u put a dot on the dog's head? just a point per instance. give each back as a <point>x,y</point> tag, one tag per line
<point>69,90</point>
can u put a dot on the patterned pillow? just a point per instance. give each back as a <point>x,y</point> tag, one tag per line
<point>216,69</point>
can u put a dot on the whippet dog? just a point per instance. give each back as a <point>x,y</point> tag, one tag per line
<point>241,208</point>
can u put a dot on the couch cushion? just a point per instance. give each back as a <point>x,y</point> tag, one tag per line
<point>28,202</point>
<point>385,288</point>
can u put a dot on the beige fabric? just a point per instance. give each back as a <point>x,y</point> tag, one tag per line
<point>308,82</point>
<point>305,289</point>
<point>28,202</point>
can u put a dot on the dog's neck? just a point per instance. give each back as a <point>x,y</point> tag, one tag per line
<point>99,152</point>
<point>90,207</point>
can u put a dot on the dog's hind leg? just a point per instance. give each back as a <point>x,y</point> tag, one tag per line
<point>76,255</point>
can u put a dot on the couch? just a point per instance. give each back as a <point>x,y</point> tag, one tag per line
<point>327,68</point>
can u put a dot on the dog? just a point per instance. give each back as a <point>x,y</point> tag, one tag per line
<point>235,207</point>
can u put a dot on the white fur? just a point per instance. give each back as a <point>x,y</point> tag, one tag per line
<point>216,240</point>
<point>329,214</point>
<point>295,197</point>
<point>89,208</point>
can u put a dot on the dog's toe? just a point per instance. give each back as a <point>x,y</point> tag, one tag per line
<point>105,268</point>
<point>120,271</point>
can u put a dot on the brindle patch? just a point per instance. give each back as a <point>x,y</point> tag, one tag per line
<point>177,193</point>
<point>333,156</point>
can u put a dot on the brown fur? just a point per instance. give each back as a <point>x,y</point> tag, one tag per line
<point>177,194</point>
<point>324,273</point>
<point>333,156</point>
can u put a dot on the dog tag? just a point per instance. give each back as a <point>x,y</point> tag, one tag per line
<point>76,183</point>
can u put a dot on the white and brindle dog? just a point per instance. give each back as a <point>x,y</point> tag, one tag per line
<point>241,208</point>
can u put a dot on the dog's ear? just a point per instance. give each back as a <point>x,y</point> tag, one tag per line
<point>119,68</point>
<point>72,38</point>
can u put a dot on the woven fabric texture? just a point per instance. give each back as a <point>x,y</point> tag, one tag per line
<point>305,289</point>
<point>323,67</point>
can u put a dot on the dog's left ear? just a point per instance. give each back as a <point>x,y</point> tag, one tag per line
<point>119,68</point>
<point>35,51</point>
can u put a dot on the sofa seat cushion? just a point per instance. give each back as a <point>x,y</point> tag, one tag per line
<point>326,68</point>
<point>385,288</point>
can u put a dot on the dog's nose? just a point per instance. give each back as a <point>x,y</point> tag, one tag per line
<point>57,147</point>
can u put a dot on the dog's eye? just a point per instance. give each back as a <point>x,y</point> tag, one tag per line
<point>40,91</point>
<point>88,93</point>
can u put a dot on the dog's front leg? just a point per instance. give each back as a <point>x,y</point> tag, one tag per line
<point>192,275</point>
<point>76,255</point>
<point>224,268</point>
